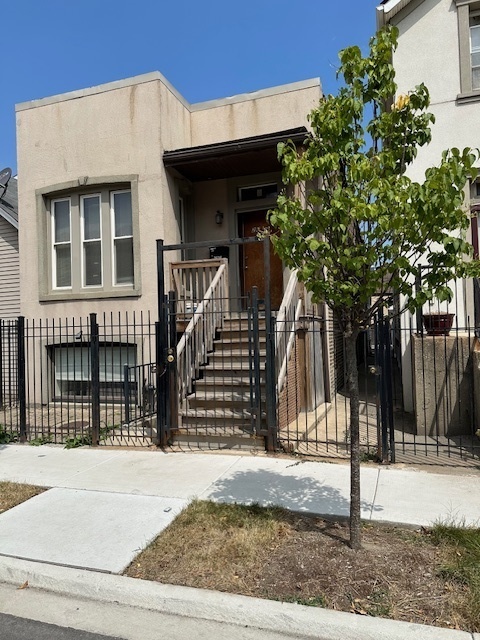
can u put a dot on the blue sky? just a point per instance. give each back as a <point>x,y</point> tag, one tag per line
<point>206,48</point>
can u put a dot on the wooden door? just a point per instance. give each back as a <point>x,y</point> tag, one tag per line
<point>252,266</point>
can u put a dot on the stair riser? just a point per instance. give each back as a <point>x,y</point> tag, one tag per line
<point>221,373</point>
<point>237,345</point>
<point>239,334</point>
<point>230,358</point>
<point>197,402</point>
<point>218,422</point>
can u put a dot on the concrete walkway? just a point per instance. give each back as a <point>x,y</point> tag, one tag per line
<point>105,505</point>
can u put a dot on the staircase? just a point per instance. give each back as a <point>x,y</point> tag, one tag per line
<point>221,413</point>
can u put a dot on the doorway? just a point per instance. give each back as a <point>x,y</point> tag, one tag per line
<point>252,267</point>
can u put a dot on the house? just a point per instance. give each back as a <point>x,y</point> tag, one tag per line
<point>439,45</point>
<point>9,259</point>
<point>106,173</point>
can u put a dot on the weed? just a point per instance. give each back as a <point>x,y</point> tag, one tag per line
<point>85,439</point>
<point>7,436</point>
<point>461,563</point>
<point>41,440</point>
<point>312,601</point>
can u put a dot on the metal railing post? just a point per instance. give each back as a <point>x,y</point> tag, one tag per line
<point>95,378</point>
<point>126,394</point>
<point>270,381</point>
<point>172,422</point>
<point>22,389</point>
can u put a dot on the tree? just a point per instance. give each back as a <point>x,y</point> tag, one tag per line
<point>365,229</point>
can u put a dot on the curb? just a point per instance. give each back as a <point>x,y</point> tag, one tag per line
<point>243,611</point>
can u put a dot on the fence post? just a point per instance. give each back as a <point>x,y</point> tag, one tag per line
<point>1,363</point>
<point>161,346</point>
<point>126,394</point>
<point>22,388</point>
<point>172,408</point>
<point>95,377</point>
<point>419,312</point>
<point>270,370</point>
<point>256,404</point>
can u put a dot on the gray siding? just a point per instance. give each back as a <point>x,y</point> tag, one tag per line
<point>9,271</point>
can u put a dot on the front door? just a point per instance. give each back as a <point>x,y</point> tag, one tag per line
<point>252,266</point>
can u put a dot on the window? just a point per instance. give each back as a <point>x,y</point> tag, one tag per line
<point>469,43</point>
<point>91,242</point>
<point>475,49</point>
<point>121,209</point>
<point>72,373</point>
<point>62,244</point>
<point>257,192</point>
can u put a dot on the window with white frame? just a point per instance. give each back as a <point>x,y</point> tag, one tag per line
<point>61,244</point>
<point>468,13</point>
<point>475,49</point>
<point>122,227</point>
<point>92,242</point>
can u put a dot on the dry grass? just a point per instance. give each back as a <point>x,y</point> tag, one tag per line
<point>13,493</point>
<point>272,553</point>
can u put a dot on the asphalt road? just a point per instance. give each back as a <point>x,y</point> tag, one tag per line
<point>13,628</point>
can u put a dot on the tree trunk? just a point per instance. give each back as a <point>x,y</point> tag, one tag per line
<point>352,381</point>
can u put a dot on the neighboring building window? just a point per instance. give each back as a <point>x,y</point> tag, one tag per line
<point>475,49</point>
<point>469,43</point>
<point>62,244</point>
<point>92,241</point>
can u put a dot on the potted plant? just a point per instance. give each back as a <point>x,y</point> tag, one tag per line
<point>439,323</point>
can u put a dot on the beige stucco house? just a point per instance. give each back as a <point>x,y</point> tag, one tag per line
<point>106,171</point>
<point>105,174</point>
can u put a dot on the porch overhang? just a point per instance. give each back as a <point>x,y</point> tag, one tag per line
<point>246,156</point>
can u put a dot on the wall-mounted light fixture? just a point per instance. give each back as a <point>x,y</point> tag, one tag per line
<point>219,217</point>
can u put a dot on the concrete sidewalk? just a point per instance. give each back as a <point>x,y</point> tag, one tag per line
<point>106,505</point>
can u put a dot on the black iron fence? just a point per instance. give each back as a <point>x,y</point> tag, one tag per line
<point>228,374</point>
<point>77,381</point>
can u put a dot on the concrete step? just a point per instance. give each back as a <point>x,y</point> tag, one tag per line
<point>216,385</point>
<point>238,356</point>
<point>217,419</point>
<point>239,332</point>
<point>227,370</point>
<point>221,400</point>
<point>236,344</point>
<point>186,439</point>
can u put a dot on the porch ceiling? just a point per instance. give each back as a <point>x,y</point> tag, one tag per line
<point>242,157</point>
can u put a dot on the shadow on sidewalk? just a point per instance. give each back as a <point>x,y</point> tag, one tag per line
<point>296,493</point>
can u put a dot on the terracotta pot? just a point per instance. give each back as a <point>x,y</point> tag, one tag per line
<point>438,324</point>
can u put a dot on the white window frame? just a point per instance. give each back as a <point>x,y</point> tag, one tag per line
<point>114,237</point>
<point>83,241</point>
<point>54,244</point>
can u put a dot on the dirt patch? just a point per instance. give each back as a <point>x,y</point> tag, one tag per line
<point>271,553</point>
<point>14,493</point>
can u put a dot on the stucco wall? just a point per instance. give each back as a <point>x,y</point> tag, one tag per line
<point>110,133</point>
<point>254,113</point>
<point>122,129</point>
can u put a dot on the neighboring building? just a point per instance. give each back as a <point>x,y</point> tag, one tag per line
<point>439,45</point>
<point>9,260</point>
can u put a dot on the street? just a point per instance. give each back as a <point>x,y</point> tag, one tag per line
<point>13,628</point>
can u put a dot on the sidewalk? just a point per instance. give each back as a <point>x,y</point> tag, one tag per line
<point>105,505</point>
